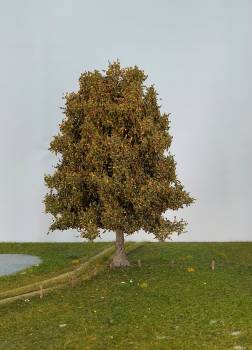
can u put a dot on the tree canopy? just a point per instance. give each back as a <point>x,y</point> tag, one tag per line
<point>112,172</point>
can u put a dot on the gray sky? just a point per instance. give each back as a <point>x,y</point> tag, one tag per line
<point>198,54</point>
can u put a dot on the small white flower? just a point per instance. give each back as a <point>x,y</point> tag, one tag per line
<point>62,325</point>
<point>131,281</point>
<point>26,300</point>
<point>123,282</point>
<point>236,333</point>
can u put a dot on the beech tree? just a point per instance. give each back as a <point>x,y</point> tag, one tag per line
<point>112,172</point>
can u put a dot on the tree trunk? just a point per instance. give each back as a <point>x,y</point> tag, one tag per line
<point>120,258</point>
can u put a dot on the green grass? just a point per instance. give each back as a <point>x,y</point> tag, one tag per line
<point>160,306</point>
<point>56,258</point>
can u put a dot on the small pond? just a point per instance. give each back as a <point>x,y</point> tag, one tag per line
<point>11,263</point>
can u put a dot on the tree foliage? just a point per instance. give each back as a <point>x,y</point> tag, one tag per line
<point>112,172</point>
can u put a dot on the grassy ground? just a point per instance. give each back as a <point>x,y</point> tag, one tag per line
<point>56,258</point>
<point>174,302</point>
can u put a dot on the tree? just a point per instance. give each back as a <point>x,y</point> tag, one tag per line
<point>112,173</point>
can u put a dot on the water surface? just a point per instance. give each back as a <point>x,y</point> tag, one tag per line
<point>11,263</point>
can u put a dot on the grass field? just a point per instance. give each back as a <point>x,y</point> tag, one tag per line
<point>173,301</point>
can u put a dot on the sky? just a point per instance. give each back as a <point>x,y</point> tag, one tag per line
<point>198,54</point>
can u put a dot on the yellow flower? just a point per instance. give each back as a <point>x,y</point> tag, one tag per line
<point>144,285</point>
<point>75,262</point>
<point>190,269</point>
